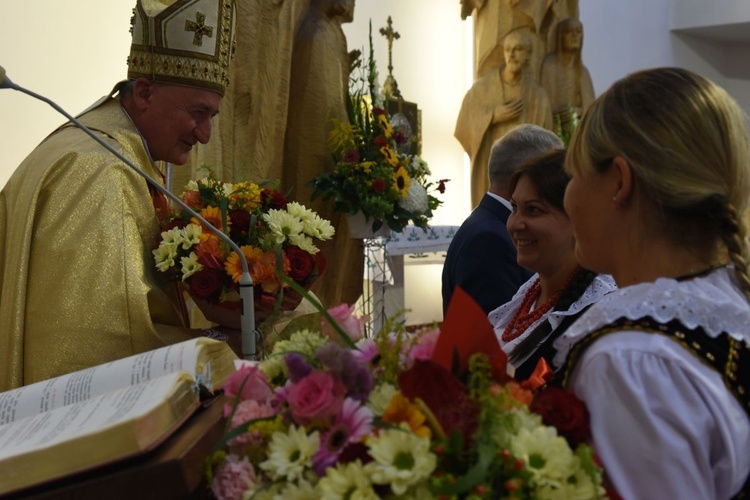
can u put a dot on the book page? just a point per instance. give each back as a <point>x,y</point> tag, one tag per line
<point>85,417</point>
<point>82,385</point>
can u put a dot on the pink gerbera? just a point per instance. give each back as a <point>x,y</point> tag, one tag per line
<point>352,424</point>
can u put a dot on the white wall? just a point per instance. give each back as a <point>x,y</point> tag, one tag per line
<point>71,51</point>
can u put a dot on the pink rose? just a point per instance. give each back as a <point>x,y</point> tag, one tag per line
<point>344,316</point>
<point>316,397</point>
<point>424,347</point>
<point>233,478</point>
<point>255,385</point>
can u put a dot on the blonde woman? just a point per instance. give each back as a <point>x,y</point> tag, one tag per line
<point>660,177</point>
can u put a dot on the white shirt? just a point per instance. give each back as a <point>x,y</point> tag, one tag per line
<point>500,317</point>
<point>663,423</point>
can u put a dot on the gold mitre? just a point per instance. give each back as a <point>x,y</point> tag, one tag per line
<point>183,42</point>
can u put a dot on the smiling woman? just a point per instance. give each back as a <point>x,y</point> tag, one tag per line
<point>560,290</point>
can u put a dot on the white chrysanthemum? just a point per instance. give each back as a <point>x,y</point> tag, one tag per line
<point>580,486</point>
<point>289,453</point>
<point>305,342</point>
<point>174,235</point>
<point>346,481</point>
<point>227,189</point>
<point>301,490</point>
<point>300,211</point>
<point>380,398</point>
<point>401,459</point>
<point>164,256</point>
<point>525,419</point>
<point>267,492</point>
<point>547,455</point>
<point>418,167</point>
<point>191,235</point>
<point>282,224</point>
<point>304,242</point>
<point>190,265</point>
<point>416,200</point>
<point>192,185</point>
<point>320,228</point>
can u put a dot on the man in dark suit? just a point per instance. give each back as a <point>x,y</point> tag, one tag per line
<point>481,258</point>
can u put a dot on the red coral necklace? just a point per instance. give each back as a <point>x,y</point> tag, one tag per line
<point>523,319</point>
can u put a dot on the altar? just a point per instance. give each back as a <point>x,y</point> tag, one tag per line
<point>401,257</point>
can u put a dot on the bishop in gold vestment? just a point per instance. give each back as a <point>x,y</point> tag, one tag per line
<point>77,226</point>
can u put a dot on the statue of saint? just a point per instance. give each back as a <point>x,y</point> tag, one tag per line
<point>564,77</point>
<point>319,89</point>
<point>248,133</point>
<point>497,102</point>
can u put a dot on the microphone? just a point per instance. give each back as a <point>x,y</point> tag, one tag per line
<point>246,283</point>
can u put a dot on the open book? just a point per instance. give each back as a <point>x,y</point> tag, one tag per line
<point>85,419</point>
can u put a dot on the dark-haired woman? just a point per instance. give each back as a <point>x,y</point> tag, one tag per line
<point>560,290</point>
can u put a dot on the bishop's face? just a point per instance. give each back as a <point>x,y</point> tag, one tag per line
<point>516,53</point>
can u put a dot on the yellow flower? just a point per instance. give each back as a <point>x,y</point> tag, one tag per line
<point>341,137</point>
<point>233,265</point>
<point>401,410</point>
<point>390,155</point>
<point>385,125</point>
<point>246,195</point>
<point>401,181</point>
<point>212,215</point>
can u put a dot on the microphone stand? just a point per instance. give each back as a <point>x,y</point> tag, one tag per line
<point>246,283</point>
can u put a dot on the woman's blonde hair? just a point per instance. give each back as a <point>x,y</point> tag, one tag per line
<point>685,140</point>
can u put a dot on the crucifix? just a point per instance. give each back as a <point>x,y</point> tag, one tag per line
<point>390,86</point>
<point>199,28</point>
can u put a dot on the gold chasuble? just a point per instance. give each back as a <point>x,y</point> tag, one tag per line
<point>77,226</point>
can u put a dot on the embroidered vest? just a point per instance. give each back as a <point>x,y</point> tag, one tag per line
<point>728,356</point>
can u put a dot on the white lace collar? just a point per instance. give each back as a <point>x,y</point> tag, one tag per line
<point>601,285</point>
<point>713,302</point>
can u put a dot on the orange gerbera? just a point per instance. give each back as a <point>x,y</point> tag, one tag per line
<point>400,409</point>
<point>233,265</point>
<point>212,215</point>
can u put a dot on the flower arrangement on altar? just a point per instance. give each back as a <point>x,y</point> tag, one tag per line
<point>370,174</point>
<point>273,233</point>
<point>399,415</point>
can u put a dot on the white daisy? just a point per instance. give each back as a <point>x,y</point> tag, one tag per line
<point>346,481</point>
<point>282,224</point>
<point>401,459</point>
<point>174,235</point>
<point>320,228</point>
<point>190,265</point>
<point>301,490</point>
<point>380,398</point>
<point>300,211</point>
<point>192,185</point>
<point>227,189</point>
<point>547,455</point>
<point>304,242</point>
<point>290,453</point>
<point>191,235</point>
<point>165,255</point>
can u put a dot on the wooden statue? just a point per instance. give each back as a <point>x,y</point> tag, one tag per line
<point>564,77</point>
<point>318,93</point>
<point>498,101</point>
<point>247,142</point>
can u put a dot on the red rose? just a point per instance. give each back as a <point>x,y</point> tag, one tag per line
<point>563,410</point>
<point>379,185</point>
<point>320,262</point>
<point>378,111</point>
<point>206,284</point>
<point>301,263</point>
<point>273,199</point>
<point>380,141</point>
<point>441,185</point>
<point>240,224</point>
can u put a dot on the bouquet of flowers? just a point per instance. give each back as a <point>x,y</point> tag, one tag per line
<point>393,417</point>
<point>370,174</point>
<point>273,233</point>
